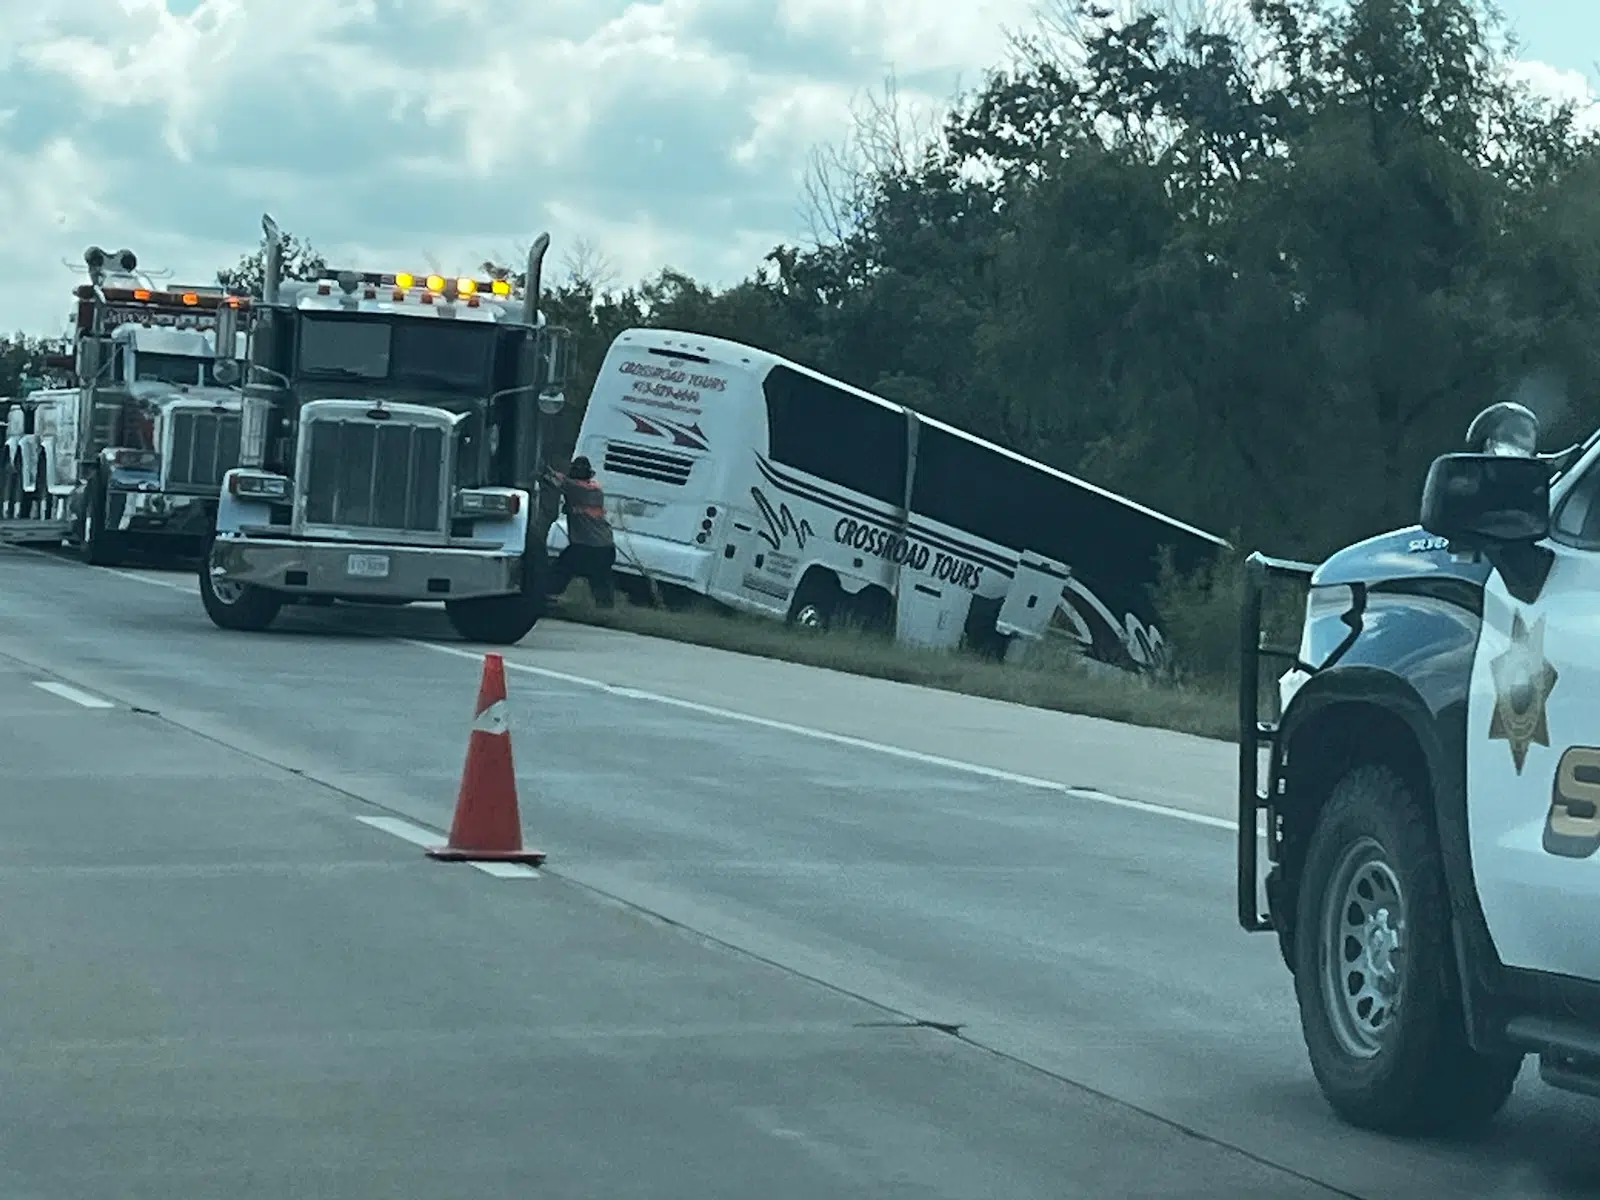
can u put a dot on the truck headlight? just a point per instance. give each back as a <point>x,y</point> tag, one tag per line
<point>251,485</point>
<point>1321,631</point>
<point>135,460</point>
<point>474,503</point>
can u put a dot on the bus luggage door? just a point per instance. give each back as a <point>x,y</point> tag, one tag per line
<point>1033,596</point>
<point>747,570</point>
<point>931,614</point>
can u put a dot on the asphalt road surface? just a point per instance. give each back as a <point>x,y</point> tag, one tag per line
<point>755,964</point>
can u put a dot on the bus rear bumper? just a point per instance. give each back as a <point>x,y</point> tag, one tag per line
<point>354,571</point>
<point>680,563</point>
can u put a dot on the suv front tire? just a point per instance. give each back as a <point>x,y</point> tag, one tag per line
<point>1375,974</point>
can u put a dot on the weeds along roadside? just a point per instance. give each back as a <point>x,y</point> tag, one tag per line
<point>1200,614</point>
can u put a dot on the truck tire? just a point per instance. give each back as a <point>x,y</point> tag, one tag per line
<point>495,620</point>
<point>1375,971</point>
<point>99,547</point>
<point>237,606</point>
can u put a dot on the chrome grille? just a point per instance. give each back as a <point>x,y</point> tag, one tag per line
<point>623,458</point>
<point>372,475</point>
<point>205,446</point>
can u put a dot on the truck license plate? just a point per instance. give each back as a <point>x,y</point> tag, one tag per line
<point>367,566</point>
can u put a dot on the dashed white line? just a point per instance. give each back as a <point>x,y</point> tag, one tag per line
<point>427,838</point>
<point>67,692</point>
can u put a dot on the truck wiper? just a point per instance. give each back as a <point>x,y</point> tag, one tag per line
<point>341,373</point>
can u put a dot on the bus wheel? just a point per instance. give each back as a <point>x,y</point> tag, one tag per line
<point>815,603</point>
<point>872,611</point>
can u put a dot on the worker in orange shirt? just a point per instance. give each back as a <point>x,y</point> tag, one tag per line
<point>591,551</point>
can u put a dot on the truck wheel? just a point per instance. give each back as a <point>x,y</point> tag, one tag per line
<point>237,606</point>
<point>495,620</point>
<point>100,547</point>
<point>1375,973</point>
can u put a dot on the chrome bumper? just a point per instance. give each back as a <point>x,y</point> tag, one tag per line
<point>326,569</point>
<point>174,514</point>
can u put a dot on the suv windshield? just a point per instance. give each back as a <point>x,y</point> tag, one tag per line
<point>426,352</point>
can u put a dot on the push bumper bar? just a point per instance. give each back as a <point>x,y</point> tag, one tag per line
<point>1254,733</point>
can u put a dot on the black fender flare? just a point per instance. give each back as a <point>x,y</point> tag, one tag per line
<point>1391,697</point>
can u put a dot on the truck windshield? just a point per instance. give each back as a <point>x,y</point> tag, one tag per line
<point>169,368</point>
<point>424,351</point>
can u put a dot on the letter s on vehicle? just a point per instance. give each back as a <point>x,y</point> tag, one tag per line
<point>1572,827</point>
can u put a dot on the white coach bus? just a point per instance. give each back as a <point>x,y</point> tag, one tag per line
<point>770,488</point>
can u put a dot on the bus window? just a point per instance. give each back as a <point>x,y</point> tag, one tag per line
<point>835,435</point>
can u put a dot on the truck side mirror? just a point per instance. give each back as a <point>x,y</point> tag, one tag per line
<point>227,331</point>
<point>1487,501</point>
<point>556,352</point>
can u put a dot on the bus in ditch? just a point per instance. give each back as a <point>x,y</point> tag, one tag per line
<point>770,488</point>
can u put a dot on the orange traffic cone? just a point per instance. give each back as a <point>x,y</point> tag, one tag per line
<point>487,827</point>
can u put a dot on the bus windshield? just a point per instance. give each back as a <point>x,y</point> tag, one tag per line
<point>419,351</point>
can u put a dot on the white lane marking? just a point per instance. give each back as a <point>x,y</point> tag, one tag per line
<point>506,870</point>
<point>840,739</point>
<point>67,692</point>
<point>427,838</point>
<point>189,589</point>
<point>821,735</point>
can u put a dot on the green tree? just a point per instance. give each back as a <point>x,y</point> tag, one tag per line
<point>22,355</point>
<point>300,261</point>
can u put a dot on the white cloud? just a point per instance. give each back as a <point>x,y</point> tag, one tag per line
<point>912,34</point>
<point>393,133</point>
<point>390,131</point>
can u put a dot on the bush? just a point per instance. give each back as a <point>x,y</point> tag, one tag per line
<point>1200,617</point>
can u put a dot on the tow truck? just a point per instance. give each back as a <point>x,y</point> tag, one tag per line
<point>30,507</point>
<point>1431,803</point>
<point>132,455</point>
<point>390,449</point>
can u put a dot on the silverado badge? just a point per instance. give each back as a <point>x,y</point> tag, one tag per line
<point>1523,679</point>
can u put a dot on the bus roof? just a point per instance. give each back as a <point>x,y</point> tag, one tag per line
<point>762,361</point>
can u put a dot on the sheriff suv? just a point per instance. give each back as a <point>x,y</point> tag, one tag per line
<point>1431,790</point>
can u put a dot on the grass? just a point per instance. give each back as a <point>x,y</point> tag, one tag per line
<point>1050,675</point>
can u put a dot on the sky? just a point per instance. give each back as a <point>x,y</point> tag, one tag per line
<point>432,134</point>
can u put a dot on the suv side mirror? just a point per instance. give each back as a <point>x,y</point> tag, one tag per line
<point>1487,501</point>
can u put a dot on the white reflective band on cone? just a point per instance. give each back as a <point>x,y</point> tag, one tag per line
<point>491,719</point>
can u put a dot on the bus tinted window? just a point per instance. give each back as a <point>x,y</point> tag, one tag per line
<point>830,433</point>
<point>970,487</point>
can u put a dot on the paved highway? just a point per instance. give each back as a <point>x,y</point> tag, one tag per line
<point>757,961</point>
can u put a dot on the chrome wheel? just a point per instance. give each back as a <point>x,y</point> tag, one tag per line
<point>1363,949</point>
<point>809,616</point>
<point>225,590</point>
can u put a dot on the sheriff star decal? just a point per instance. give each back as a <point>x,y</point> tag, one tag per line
<point>1523,679</point>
